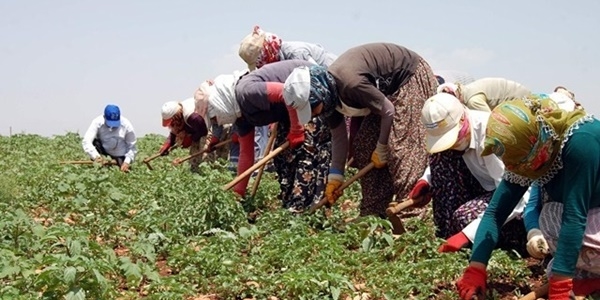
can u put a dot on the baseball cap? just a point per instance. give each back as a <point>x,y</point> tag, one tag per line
<point>112,116</point>
<point>251,48</point>
<point>169,109</point>
<point>441,116</point>
<point>296,91</point>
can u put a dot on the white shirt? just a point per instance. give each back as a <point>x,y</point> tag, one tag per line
<point>116,141</point>
<point>487,170</point>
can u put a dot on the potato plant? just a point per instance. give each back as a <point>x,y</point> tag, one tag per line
<point>91,232</point>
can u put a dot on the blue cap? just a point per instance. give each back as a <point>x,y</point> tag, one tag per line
<point>112,116</point>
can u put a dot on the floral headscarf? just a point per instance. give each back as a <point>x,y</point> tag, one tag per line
<point>528,135</point>
<point>271,48</point>
<point>323,89</point>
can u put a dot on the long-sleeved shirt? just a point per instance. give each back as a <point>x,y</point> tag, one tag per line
<point>313,53</point>
<point>194,124</point>
<point>488,169</point>
<point>365,75</point>
<point>486,93</point>
<point>253,96</point>
<point>116,141</point>
<point>531,213</point>
<point>576,186</point>
<point>260,106</point>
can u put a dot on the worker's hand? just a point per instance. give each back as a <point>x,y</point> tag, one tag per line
<point>211,144</point>
<point>537,246</point>
<point>164,150</point>
<point>560,289</point>
<point>454,243</point>
<point>380,155</point>
<point>472,284</point>
<point>125,167</point>
<point>235,138</point>
<point>296,138</point>
<point>334,181</point>
<point>420,193</point>
<point>99,160</point>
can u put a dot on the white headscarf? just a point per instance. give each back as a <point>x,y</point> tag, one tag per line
<point>221,101</point>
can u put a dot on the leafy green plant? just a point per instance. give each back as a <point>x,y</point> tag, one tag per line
<point>90,232</point>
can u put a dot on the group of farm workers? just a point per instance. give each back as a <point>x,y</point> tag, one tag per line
<point>502,166</point>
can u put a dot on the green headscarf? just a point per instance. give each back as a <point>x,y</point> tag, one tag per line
<point>528,135</point>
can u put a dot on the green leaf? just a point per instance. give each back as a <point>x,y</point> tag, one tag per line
<point>74,247</point>
<point>367,244</point>
<point>75,294</point>
<point>69,274</point>
<point>335,292</point>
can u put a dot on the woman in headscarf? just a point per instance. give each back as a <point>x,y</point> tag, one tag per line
<point>387,84</point>
<point>458,179</point>
<point>186,128</point>
<point>260,48</point>
<point>544,145</point>
<point>256,99</point>
<point>485,93</point>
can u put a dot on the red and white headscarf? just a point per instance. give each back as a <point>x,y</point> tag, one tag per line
<point>271,48</point>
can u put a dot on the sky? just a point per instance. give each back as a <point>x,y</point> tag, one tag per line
<point>63,61</point>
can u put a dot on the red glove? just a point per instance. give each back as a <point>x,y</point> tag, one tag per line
<point>187,141</point>
<point>584,287</point>
<point>235,138</point>
<point>421,189</point>
<point>560,289</point>
<point>296,138</point>
<point>472,283</point>
<point>211,144</point>
<point>454,243</point>
<point>164,150</point>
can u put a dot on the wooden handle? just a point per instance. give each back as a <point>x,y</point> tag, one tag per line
<point>86,162</point>
<point>150,158</point>
<point>179,161</point>
<point>257,165</point>
<point>270,144</point>
<point>394,210</point>
<point>346,184</point>
<point>540,292</point>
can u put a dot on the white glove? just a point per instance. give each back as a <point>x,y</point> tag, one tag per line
<point>536,244</point>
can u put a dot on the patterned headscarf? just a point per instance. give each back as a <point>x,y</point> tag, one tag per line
<point>528,135</point>
<point>271,48</point>
<point>323,89</point>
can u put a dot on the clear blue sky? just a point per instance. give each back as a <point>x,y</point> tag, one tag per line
<point>62,61</point>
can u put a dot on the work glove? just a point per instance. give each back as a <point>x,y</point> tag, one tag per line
<point>454,243</point>
<point>187,141</point>
<point>380,155</point>
<point>235,138</point>
<point>560,289</point>
<point>211,144</point>
<point>585,287</point>
<point>536,244</point>
<point>335,179</point>
<point>421,193</point>
<point>472,284</point>
<point>296,138</point>
<point>164,150</point>
<point>125,167</point>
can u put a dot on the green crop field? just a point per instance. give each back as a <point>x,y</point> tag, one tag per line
<point>91,232</point>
